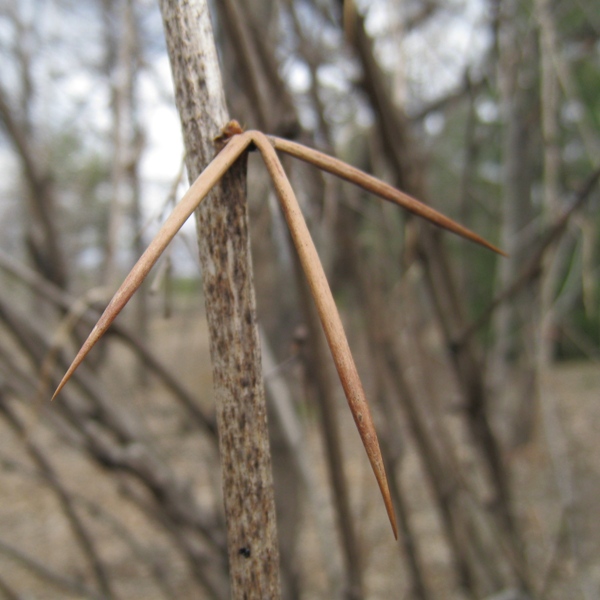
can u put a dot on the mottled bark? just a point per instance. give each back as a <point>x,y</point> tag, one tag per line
<point>230,306</point>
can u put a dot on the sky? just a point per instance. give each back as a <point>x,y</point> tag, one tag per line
<point>422,65</point>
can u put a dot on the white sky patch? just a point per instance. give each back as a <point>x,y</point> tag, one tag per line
<point>164,150</point>
<point>79,85</point>
<point>162,158</point>
<point>8,165</point>
<point>487,111</point>
<point>160,166</point>
<point>573,111</point>
<point>333,77</point>
<point>434,123</point>
<point>81,90</point>
<point>429,61</point>
<point>298,77</point>
<point>437,57</point>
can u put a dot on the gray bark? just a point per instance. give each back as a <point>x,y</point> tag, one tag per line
<point>230,305</point>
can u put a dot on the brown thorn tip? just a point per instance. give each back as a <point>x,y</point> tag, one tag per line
<point>83,352</point>
<point>392,518</point>
<point>384,488</point>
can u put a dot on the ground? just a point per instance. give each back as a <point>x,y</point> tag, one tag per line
<point>556,481</point>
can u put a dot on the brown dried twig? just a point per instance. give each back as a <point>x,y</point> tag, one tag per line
<point>235,142</point>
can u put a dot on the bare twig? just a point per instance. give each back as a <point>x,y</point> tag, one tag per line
<point>534,265</point>
<point>65,499</point>
<point>7,591</point>
<point>43,572</point>
<point>157,568</point>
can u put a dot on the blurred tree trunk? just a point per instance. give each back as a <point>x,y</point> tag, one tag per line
<point>550,104</point>
<point>122,66</point>
<point>230,307</point>
<point>514,322</point>
<point>118,70</point>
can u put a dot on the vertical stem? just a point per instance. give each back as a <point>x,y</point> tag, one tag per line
<point>513,356</point>
<point>117,70</point>
<point>230,306</point>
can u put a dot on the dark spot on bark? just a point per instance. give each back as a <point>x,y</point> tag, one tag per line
<point>238,271</point>
<point>454,347</point>
<point>222,347</point>
<point>244,551</point>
